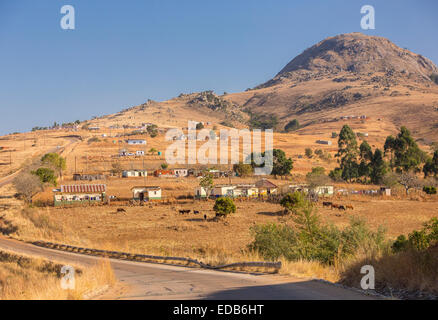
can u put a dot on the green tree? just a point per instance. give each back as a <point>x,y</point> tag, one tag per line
<point>206,183</point>
<point>389,148</point>
<point>224,207</point>
<point>152,130</point>
<point>281,164</point>
<point>317,177</point>
<point>348,152</point>
<point>308,152</point>
<point>293,202</point>
<point>55,161</point>
<point>164,166</point>
<point>199,126</point>
<point>46,175</point>
<point>243,169</point>
<point>153,150</point>
<point>366,156</point>
<point>378,167</point>
<point>407,155</point>
<point>292,125</point>
<point>431,166</point>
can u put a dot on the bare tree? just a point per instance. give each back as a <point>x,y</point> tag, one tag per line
<point>410,181</point>
<point>27,185</point>
<point>116,168</point>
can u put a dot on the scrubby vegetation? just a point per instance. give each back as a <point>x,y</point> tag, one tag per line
<point>307,238</point>
<point>292,126</point>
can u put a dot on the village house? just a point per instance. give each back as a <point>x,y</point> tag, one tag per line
<point>246,190</point>
<point>139,153</point>
<point>266,187</point>
<point>200,192</point>
<point>88,177</point>
<point>79,194</point>
<point>223,190</point>
<point>146,193</point>
<point>181,172</point>
<point>136,141</point>
<point>164,173</point>
<point>134,173</point>
<point>326,142</point>
<point>319,190</point>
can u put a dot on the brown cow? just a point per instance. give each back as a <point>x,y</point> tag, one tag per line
<point>334,205</point>
<point>349,207</point>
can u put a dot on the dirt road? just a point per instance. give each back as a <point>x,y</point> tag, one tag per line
<point>155,281</point>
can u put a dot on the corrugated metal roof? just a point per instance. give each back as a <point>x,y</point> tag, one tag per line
<point>84,188</point>
<point>264,183</point>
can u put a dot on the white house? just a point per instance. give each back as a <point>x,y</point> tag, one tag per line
<point>134,173</point>
<point>223,191</point>
<point>320,190</point>
<point>146,193</point>
<point>139,153</point>
<point>327,142</point>
<point>246,190</point>
<point>181,172</point>
<point>200,192</point>
<point>136,141</point>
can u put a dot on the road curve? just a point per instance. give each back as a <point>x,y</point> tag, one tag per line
<point>156,281</point>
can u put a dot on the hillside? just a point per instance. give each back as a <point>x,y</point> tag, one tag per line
<point>350,74</point>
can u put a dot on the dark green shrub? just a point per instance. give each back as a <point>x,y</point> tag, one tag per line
<point>224,206</point>
<point>429,189</point>
<point>292,126</point>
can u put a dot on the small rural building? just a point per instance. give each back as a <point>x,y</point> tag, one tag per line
<point>164,173</point>
<point>139,153</point>
<point>136,141</point>
<point>319,190</point>
<point>266,187</point>
<point>79,194</point>
<point>146,193</point>
<point>200,192</point>
<point>385,191</point>
<point>134,173</point>
<point>88,177</point>
<point>326,142</point>
<point>181,172</point>
<point>93,128</point>
<point>223,190</point>
<point>246,190</point>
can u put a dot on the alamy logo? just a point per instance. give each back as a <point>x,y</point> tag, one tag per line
<point>68,20</point>
<point>368,21</point>
<point>229,147</point>
<point>68,280</point>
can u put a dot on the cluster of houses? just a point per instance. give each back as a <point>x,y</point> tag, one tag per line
<point>96,193</point>
<point>263,187</point>
<point>174,173</point>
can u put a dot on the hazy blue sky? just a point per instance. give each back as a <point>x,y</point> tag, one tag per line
<point>125,52</point>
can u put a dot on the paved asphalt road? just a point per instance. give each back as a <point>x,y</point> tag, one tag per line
<point>155,281</point>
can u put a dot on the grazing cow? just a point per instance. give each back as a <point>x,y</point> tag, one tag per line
<point>184,211</point>
<point>335,206</point>
<point>205,217</point>
<point>349,207</point>
<point>195,212</point>
<point>327,204</point>
<point>121,210</point>
<point>342,208</point>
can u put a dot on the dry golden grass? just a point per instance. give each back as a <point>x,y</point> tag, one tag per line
<point>29,278</point>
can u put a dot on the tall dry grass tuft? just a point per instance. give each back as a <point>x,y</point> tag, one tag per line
<point>411,270</point>
<point>28,278</point>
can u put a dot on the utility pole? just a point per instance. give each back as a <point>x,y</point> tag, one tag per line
<point>75,166</point>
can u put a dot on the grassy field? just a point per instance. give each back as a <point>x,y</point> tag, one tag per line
<point>28,278</point>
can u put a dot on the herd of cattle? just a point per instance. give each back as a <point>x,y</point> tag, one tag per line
<point>337,206</point>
